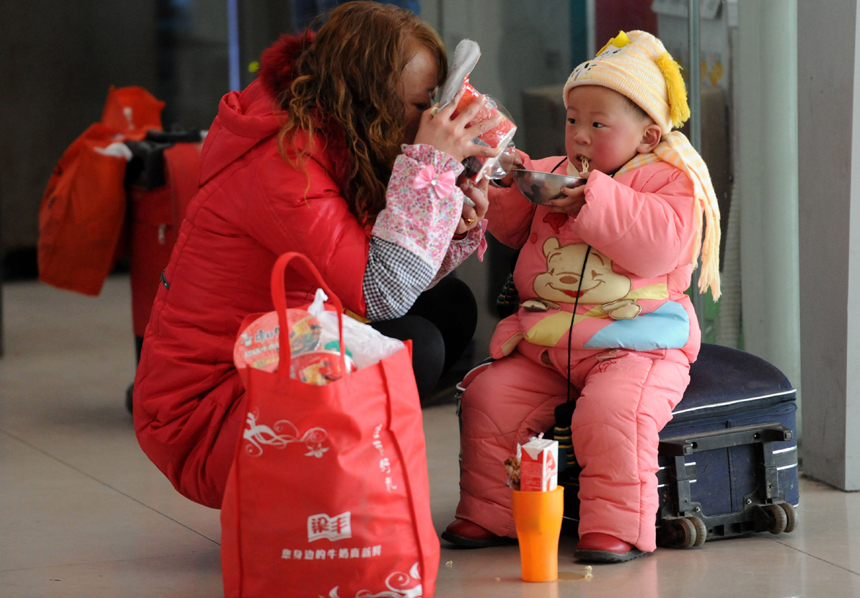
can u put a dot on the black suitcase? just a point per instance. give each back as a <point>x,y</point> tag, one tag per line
<point>728,458</point>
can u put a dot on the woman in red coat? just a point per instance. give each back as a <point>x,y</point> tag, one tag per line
<point>332,152</point>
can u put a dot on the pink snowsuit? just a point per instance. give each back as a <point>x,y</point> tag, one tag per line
<point>632,341</point>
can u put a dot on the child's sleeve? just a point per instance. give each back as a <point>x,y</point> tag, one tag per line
<point>509,216</point>
<point>649,232</point>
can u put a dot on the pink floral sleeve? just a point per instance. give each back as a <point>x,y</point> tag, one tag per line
<point>412,245</point>
<point>459,250</point>
<point>423,205</point>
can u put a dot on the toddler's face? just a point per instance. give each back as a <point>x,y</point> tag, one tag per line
<point>602,127</point>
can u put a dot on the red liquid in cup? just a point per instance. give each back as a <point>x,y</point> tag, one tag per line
<point>487,112</point>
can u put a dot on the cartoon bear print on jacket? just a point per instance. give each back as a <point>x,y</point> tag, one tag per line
<point>613,310</point>
<point>600,284</point>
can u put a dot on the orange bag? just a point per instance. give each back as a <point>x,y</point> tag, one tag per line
<point>82,214</point>
<point>328,494</point>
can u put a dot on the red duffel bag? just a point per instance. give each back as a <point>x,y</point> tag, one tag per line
<point>328,495</point>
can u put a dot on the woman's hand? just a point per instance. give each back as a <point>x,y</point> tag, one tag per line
<point>472,215</point>
<point>571,202</point>
<point>454,135</point>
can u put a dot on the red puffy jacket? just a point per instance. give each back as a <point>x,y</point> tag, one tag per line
<point>252,206</point>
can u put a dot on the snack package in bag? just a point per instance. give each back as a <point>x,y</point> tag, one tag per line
<point>257,345</point>
<point>328,495</point>
<point>364,344</point>
<point>314,343</point>
<point>499,136</point>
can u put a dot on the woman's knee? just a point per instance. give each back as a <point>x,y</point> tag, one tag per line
<point>451,307</point>
<point>428,348</point>
<point>450,296</point>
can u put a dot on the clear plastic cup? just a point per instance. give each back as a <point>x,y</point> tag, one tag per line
<point>498,136</point>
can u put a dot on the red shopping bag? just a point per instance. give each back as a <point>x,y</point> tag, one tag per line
<point>328,495</point>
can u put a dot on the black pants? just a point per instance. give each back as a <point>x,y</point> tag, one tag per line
<point>440,325</point>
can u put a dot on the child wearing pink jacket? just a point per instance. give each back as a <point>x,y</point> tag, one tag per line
<point>604,317</point>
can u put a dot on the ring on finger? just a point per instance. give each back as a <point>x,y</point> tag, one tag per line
<point>468,220</point>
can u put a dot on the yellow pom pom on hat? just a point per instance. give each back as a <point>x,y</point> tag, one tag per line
<point>637,65</point>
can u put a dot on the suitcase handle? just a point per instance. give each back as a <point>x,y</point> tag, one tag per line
<point>190,136</point>
<point>146,168</point>
<point>718,439</point>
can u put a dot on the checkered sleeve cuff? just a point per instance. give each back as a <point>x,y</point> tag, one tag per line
<point>393,280</point>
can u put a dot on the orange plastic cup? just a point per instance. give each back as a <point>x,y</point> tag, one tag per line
<point>537,518</point>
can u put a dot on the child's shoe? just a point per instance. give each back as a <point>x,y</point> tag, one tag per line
<point>603,548</point>
<point>471,535</point>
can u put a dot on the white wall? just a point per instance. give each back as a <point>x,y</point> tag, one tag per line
<point>768,183</point>
<point>829,186</point>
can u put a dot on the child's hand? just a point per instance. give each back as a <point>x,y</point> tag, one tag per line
<point>509,161</point>
<point>571,202</point>
<point>472,215</point>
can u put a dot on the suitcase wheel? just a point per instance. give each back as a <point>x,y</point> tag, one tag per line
<point>777,518</point>
<point>772,518</point>
<point>791,515</point>
<point>701,530</point>
<point>683,532</point>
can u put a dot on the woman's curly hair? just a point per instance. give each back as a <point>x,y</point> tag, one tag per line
<point>349,76</point>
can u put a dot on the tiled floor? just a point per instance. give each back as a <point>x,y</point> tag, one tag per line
<point>84,514</point>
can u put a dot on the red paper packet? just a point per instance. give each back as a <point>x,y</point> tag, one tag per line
<point>488,111</point>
